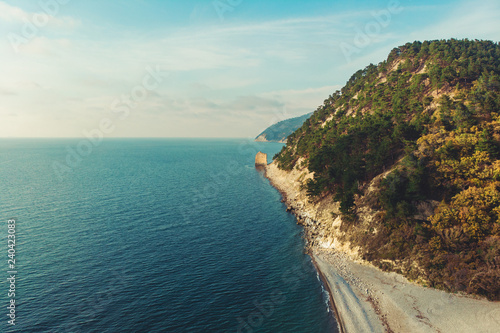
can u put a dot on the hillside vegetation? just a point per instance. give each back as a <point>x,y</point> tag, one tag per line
<point>281,130</point>
<point>423,129</point>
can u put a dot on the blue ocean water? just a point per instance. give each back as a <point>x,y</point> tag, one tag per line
<point>152,235</point>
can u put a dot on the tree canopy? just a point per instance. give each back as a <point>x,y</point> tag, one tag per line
<point>430,114</point>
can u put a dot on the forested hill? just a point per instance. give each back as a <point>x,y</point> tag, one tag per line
<point>421,129</point>
<point>281,130</point>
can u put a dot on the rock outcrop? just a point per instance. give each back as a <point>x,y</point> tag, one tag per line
<point>260,159</point>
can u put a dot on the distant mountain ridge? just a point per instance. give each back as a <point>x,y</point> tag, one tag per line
<point>280,131</point>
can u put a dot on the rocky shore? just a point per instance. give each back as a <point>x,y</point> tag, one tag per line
<point>367,299</point>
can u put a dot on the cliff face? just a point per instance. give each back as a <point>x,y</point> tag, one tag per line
<point>323,224</point>
<point>320,218</point>
<point>402,166</point>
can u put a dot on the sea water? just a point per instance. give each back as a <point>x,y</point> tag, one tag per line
<point>151,235</point>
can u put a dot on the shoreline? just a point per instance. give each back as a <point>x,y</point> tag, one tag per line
<point>324,280</point>
<point>363,297</point>
<point>322,277</point>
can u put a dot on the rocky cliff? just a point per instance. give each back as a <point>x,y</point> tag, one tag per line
<point>401,167</point>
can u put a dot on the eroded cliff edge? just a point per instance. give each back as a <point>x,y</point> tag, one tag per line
<point>368,299</point>
<point>322,226</point>
<point>325,228</point>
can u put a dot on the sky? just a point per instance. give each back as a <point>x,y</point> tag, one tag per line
<point>200,68</point>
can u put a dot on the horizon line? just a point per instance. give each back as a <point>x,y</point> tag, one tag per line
<point>129,137</point>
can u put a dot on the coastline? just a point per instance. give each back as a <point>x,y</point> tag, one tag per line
<point>324,280</point>
<point>364,298</point>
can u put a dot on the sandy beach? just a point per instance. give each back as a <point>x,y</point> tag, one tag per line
<point>370,300</point>
<point>366,298</point>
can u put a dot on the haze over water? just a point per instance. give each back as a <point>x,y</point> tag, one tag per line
<point>154,236</point>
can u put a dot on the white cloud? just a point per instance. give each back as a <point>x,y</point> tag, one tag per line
<point>299,102</point>
<point>6,92</point>
<point>10,13</point>
<point>235,69</point>
<point>248,75</point>
<point>469,19</point>
<point>43,17</point>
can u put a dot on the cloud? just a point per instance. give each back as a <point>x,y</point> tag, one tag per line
<point>16,88</point>
<point>246,74</point>
<point>469,19</point>
<point>10,13</point>
<point>466,19</point>
<point>252,112</point>
<point>46,46</point>
<point>44,17</point>
<point>6,92</point>
<point>254,103</point>
<point>298,102</point>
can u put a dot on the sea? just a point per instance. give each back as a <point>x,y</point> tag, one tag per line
<point>150,235</point>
